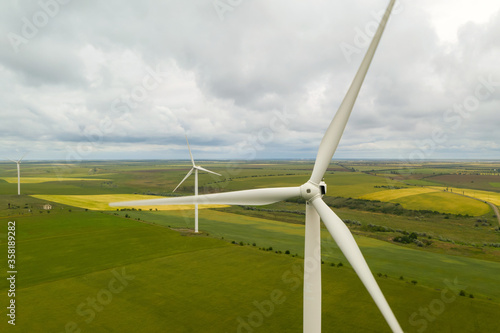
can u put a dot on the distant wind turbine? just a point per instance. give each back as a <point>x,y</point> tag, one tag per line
<point>312,191</point>
<point>195,168</point>
<point>18,162</point>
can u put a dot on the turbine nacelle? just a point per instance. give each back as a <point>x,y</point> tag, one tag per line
<point>310,190</point>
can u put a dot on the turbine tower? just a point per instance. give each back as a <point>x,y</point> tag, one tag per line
<point>195,168</point>
<point>312,191</point>
<point>18,162</point>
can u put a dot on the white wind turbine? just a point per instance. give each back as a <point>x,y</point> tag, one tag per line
<point>312,191</point>
<point>18,162</point>
<point>195,168</point>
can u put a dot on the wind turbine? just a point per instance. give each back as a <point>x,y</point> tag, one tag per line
<point>18,162</point>
<point>312,191</point>
<point>195,168</point>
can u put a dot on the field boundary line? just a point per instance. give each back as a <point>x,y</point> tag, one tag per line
<point>495,209</point>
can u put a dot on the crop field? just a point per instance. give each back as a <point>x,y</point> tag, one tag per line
<point>343,184</point>
<point>430,199</point>
<point>36,180</point>
<point>285,236</point>
<point>492,197</point>
<point>443,202</point>
<point>168,278</point>
<point>101,201</point>
<point>389,195</point>
<point>86,266</point>
<point>473,181</point>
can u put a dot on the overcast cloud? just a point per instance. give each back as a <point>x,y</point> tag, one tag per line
<point>246,79</point>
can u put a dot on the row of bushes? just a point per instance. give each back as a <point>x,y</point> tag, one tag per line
<point>412,238</point>
<point>376,206</point>
<point>390,187</point>
<point>299,212</point>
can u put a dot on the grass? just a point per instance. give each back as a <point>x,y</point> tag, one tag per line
<point>67,238</point>
<point>460,230</point>
<point>68,258</point>
<point>382,257</point>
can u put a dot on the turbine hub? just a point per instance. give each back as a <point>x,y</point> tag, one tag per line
<point>310,190</point>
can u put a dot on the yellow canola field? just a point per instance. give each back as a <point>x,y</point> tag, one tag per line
<point>396,194</point>
<point>101,201</point>
<point>492,197</point>
<point>37,180</point>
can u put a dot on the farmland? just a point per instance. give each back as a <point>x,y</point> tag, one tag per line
<point>101,201</point>
<point>211,281</point>
<point>428,198</point>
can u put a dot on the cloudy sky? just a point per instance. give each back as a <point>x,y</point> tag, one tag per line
<point>246,79</point>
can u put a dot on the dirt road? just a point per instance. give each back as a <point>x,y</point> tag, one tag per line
<point>495,209</point>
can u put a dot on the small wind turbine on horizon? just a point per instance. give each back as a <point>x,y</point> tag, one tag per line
<point>312,191</point>
<point>18,162</point>
<point>195,168</point>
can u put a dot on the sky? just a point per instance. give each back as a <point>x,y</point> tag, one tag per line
<point>247,79</point>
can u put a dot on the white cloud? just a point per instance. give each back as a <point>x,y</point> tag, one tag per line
<point>127,78</point>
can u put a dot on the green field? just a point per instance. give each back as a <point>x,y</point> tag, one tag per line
<point>286,236</point>
<point>214,281</point>
<point>70,257</point>
<point>344,184</point>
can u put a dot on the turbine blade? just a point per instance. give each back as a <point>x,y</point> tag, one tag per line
<point>334,132</point>
<point>348,246</point>
<point>22,157</point>
<point>255,197</point>
<point>191,155</point>
<point>312,272</point>
<point>203,169</point>
<point>182,181</point>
